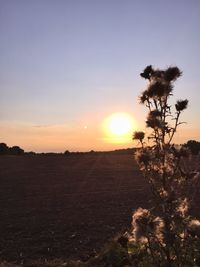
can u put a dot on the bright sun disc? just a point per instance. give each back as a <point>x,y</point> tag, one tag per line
<point>119,127</point>
<point>119,124</point>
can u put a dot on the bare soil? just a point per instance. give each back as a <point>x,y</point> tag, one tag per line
<point>66,206</point>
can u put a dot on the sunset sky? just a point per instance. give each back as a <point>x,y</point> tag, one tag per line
<point>68,65</point>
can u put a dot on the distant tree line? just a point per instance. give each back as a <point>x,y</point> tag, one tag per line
<point>193,145</point>
<point>14,150</point>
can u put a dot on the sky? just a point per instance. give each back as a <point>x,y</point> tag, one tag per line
<point>68,65</point>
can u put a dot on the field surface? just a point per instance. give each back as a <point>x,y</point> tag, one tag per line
<point>66,206</point>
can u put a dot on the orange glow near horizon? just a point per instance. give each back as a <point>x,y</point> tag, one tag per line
<point>96,133</point>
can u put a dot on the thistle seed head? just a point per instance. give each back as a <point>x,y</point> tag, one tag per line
<point>181,105</point>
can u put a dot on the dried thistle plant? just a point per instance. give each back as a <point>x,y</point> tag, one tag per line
<point>173,238</point>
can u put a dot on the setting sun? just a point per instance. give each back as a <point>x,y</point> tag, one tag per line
<point>119,127</point>
<point>120,124</point>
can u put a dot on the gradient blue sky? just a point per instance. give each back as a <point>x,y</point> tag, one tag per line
<point>70,63</point>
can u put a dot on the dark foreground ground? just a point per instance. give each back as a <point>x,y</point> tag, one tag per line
<point>66,206</point>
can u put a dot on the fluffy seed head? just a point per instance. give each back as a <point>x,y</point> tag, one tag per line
<point>146,74</point>
<point>194,227</point>
<point>172,73</point>
<point>182,209</point>
<point>159,89</point>
<point>181,105</point>
<point>138,136</point>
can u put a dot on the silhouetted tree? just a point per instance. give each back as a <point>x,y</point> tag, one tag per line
<point>16,150</point>
<point>3,149</point>
<point>194,146</point>
<point>67,152</point>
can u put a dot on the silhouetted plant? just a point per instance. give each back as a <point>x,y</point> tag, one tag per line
<point>173,237</point>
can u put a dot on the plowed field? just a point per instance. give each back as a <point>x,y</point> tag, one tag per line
<point>66,206</point>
